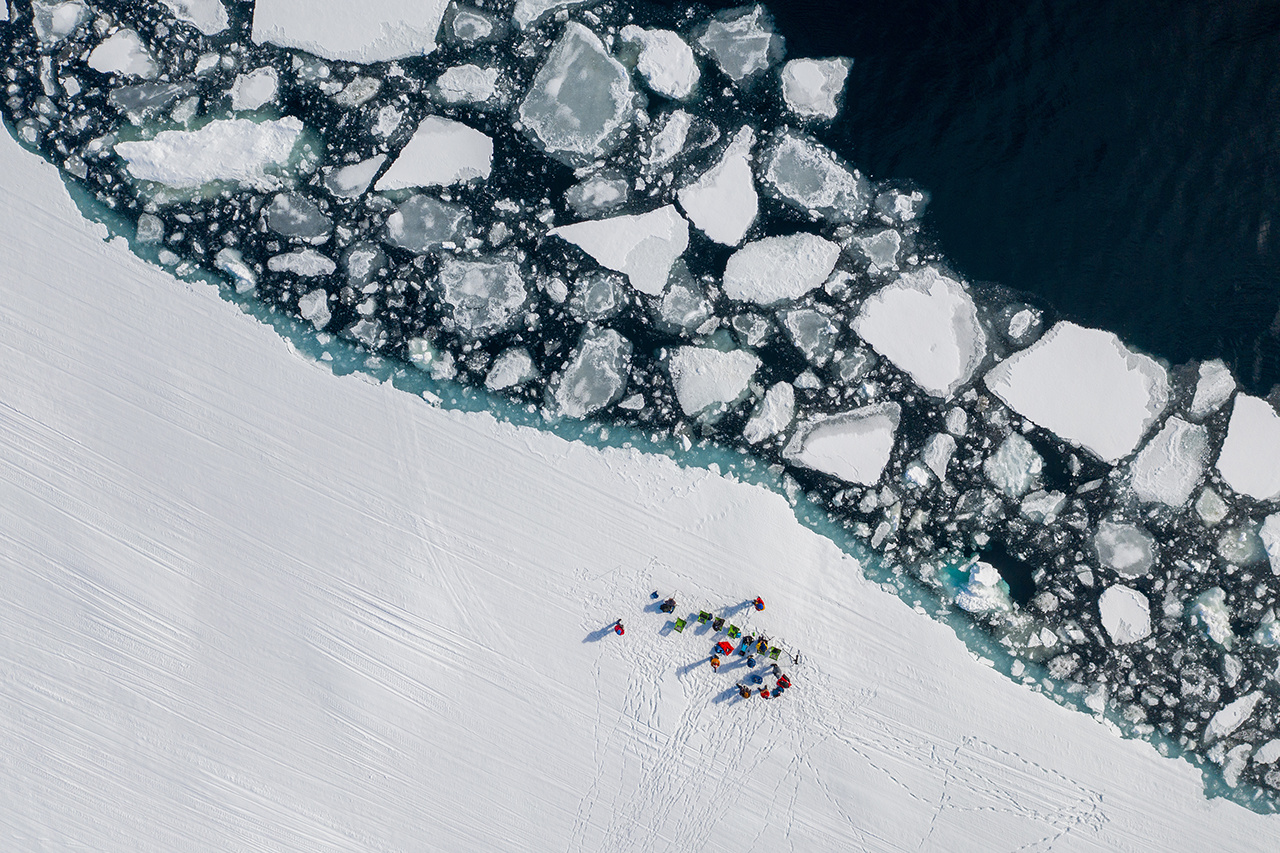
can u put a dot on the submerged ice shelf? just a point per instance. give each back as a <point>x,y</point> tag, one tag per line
<point>707,270</point>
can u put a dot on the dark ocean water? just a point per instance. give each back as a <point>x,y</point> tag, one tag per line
<point>1118,159</point>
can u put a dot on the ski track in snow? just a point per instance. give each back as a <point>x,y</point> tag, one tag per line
<point>251,605</point>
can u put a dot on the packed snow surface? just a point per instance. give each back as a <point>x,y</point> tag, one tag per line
<point>1169,468</point>
<point>723,203</point>
<point>1085,386</point>
<point>853,446</point>
<point>665,62</point>
<point>123,52</point>
<point>208,16</point>
<point>927,325</point>
<point>811,88</point>
<point>706,378</point>
<point>779,269</point>
<point>289,608</point>
<point>1126,614</point>
<point>367,31</point>
<point>237,150</point>
<point>1250,457</point>
<point>643,247</point>
<point>442,152</point>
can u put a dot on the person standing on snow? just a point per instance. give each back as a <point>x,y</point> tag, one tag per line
<point>759,603</point>
<point>618,629</point>
<point>668,606</point>
<point>715,663</point>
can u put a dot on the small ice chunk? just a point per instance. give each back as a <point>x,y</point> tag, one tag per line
<point>580,101</point>
<point>237,150</point>
<point>1210,507</point>
<point>854,446</point>
<point>984,591</point>
<point>470,25</point>
<point>1231,716</point>
<point>1210,612</point>
<point>487,296</point>
<point>1250,457</point>
<point>1270,535</point>
<point>1125,548</point>
<point>595,375</point>
<point>423,224</point>
<point>305,263</point>
<point>253,90</point>
<point>467,84</point>
<point>1214,387</point>
<point>141,102</point>
<point>1085,386</point>
<point>596,296</point>
<point>723,203</point>
<point>512,368</point>
<point>809,176</point>
<point>1170,466</point>
<point>314,307</point>
<point>901,205</point>
<point>1024,325</point>
<point>811,88</point>
<point>779,269</point>
<point>231,262</point>
<point>812,332</point>
<point>365,32</point>
<point>1268,752</point>
<point>708,381</point>
<point>442,152</point>
<point>683,307</point>
<point>665,62</point>
<point>208,16</point>
<point>937,454</point>
<point>353,181</point>
<point>295,215</point>
<point>55,21</point>
<point>642,247</point>
<point>150,229</point>
<point>362,263</point>
<point>1042,507</point>
<point>880,248</point>
<point>669,139</point>
<point>529,12</point>
<point>1126,614</point>
<point>123,52</point>
<point>742,41</point>
<point>1236,759</point>
<point>927,325</point>
<point>598,193</point>
<point>772,415</point>
<point>1015,467</point>
<point>957,421</point>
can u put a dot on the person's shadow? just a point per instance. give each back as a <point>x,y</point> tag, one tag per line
<point>600,633</point>
<point>728,695</point>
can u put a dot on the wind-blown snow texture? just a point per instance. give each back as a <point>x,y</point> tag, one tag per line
<point>928,418</point>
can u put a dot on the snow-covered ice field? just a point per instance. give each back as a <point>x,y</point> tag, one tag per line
<point>246,604</point>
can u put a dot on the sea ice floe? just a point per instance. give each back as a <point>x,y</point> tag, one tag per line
<point>530,12</point>
<point>304,263</point>
<point>723,202</point>
<point>442,152</point>
<point>1209,611</point>
<point>231,262</point>
<point>512,368</point>
<point>779,269</point>
<point>1250,457</point>
<point>423,224</point>
<point>772,415</point>
<point>1042,507</point>
<point>810,331</point>
<point>467,84</point>
<point>811,88</point>
<point>207,16</point>
<point>683,307</point>
<point>254,89</point>
<point>901,205</point>
<point>669,139</point>
<point>486,295</point>
<point>742,42</point>
<point>1126,614</point>
<point>238,150</point>
<point>927,325</point>
<point>937,454</point>
<point>1169,468</point>
<point>1213,388</point>
<point>853,446</point>
<point>665,61</point>
<point>141,102</point>
<point>314,307</point>
<point>123,52</point>
<point>642,247</point>
<point>353,181</point>
<point>1126,549</point>
<point>53,21</point>
<point>807,175</point>
<point>707,380</point>
<point>580,101</point>
<point>1270,535</point>
<point>598,193</point>
<point>368,31</point>
<point>984,591</point>
<point>1231,716</point>
<point>1085,386</point>
<point>1014,469</point>
<point>1211,508</point>
<point>594,376</point>
<point>295,215</point>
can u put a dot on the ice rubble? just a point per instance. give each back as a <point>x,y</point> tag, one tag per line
<point>1126,614</point>
<point>304,262</point>
<point>368,31</point>
<point>207,16</point>
<point>1169,468</point>
<point>742,42</point>
<point>467,84</point>
<point>1250,457</point>
<point>1014,469</point>
<point>254,89</point>
<point>723,202</point>
<point>707,380</point>
<point>1085,386</point>
<point>854,446</point>
<point>779,269</point>
<point>440,153</point>
<point>983,591</point>
<point>665,62</point>
<point>123,52</point>
<point>1209,611</point>
<point>642,247</point>
<point>237,150</point>
<point>811,88</point>
<point>927,325</point>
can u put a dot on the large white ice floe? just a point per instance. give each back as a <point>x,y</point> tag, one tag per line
<point>123,52</point>
<point>1015,467</point>
<point>1126,614</point>
<point>1126,549</point>
<point>779,269</point>
<point>442,152</point>
<point>723,202</point>
<point>772,415</point>
<point>367,31</point>
<point>580,101</point>
<point>1231,716</point>
<point>811,88</point>
<point>207,16</point>
<point>1250,457</point>
<point>707,380</point>
<point>254,89</point>
<point>808,175</point>
<point>742,42</point>
<point>594,376</point>
<point>237,150</point>
<point>642,247</point>
<point>54,21</point>
<point>1085,386</point>
<point>927,325</point>
<point>1214,387</point>
<point>665,61</point>
<point>984,591</point>
<point>853,446</point>
<point>1170,466</point>
<point>486,296</point>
